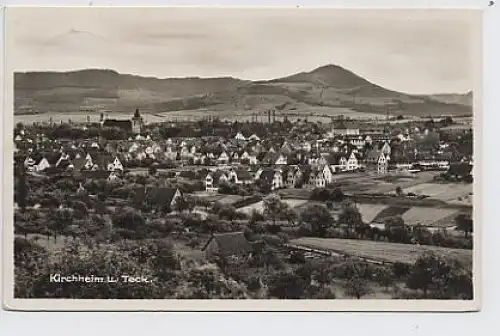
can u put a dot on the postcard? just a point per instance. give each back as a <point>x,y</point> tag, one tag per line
<point>242,159</point>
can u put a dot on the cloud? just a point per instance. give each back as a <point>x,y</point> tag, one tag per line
<point>411,50</point>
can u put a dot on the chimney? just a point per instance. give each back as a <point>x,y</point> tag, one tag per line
<point>102,117</point>
<point>274,116</point>
<point>269,116</point>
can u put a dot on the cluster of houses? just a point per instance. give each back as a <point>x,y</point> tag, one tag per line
<point>241,159</point>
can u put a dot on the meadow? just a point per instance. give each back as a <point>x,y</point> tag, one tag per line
<point>381,251</point>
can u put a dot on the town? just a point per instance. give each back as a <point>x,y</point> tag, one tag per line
<point>276,207</point>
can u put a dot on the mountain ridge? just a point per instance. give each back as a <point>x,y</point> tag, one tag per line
<point>329,86</point>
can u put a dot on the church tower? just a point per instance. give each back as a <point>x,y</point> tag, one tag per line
<point>137,122</point>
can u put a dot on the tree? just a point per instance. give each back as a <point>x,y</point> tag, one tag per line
<point>22,189</point>
<point>319,219</point>
<point>446,278</point>
<point>351,216</point>
<point>61,221</point>
<point>80,209</point>
<point>152,170</point>
<point>320,194</point>
<point>337,195</point>
<point>400,270</point>
<point>421,235</point>
<point>190,203</point>
<point>357,287</point>
<point>207,282</point>
<point>397,231</point>
<point>30,262</point>
<point>159,256</point>
<point>130,220</point>
<point>399,191</point>
<point>97,260</point>
<point>464,224</point>
<point>180,204</point>
<point>287,285</point>
<point>384,277</point>
<point>274,208</point>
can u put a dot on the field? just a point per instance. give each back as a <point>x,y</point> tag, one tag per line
<point>370,211</point>
<point>444,192</point>
<point>379,251</point>
<point>375,184</point>
<point>436,217</point>
<point>313,114</point>
<point>230,199</point>
<point>259,206</point>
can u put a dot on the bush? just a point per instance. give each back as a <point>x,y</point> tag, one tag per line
<point>297,257</point>
<point>304,230</point>
<point>400,270</point>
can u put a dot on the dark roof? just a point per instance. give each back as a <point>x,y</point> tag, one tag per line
<point>78,164</point>
<point>159,196</point>
<point>232,243</point>
<point>102,161</point>
<point>334,158</point>
<point>123,124</point>
<point>98,174</point>
<point>188,174</point>
<point>243,174</point>
<point>261,156</point>
<point>267,174</point>
<point>217,175</point>
<point>373,154</point>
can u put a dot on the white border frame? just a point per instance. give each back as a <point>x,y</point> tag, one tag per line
<point>231,305</point>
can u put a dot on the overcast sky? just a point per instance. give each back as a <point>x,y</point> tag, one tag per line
<point>414,51</point>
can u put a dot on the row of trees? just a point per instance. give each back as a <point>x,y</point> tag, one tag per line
<point>317,220</point>
<point>266,275</point>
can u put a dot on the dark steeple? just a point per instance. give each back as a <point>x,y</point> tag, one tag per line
<point>137,115</point>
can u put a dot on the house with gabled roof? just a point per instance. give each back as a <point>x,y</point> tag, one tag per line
<point>240,137</point>
<point>213,179</point>
<point>223,158</point>
<point>274,158</point>
<point>63,161</point>
<point>160,198</point>
<point>326,172</point>
<point>271,177</point>
<point>316,179</point>
<point>353,162</point>
<point>292,176</point>
<point>337,162</point>
<point>240,176</point>
<point>254,137</point>
<point>232,245</point>
<point>77,164</point>
<point>42,164</point>
<point>103,162</point>
<point>377,161</point>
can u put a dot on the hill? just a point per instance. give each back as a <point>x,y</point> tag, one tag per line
<point>330,88</point>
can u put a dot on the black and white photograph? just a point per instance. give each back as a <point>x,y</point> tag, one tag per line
<point>264,155</point>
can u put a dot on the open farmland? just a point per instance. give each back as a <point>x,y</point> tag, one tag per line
<point>259,206</point>
<point>375,184</point>
<point>381,251</point>
<point>230,199</point>
<point>426,216</point>
<point>370,211</point>
<point>81,117</point>
<point>443,192</point>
